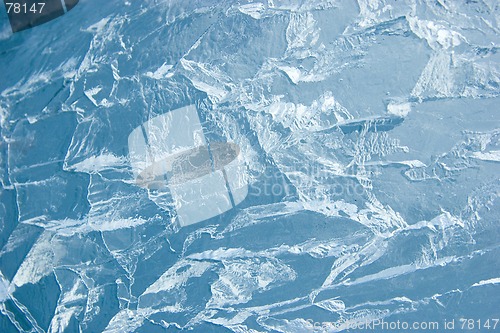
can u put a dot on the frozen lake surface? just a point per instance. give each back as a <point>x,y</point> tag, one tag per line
<point>359,176</point>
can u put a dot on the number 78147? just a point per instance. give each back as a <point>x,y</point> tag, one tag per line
<point>17,8</point>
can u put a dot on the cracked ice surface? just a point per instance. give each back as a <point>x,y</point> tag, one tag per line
<point>371,136</point>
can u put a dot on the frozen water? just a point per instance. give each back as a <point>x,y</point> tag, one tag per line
<point>365,185</point>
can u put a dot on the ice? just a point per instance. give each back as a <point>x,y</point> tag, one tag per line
<point>162,72</point>
<point>195,201</point>
<point>484,282</point>
<point>170,154</point>
<point>493,156</point>
<point>253,9</point>
<point>259,166</point>
<point>95,164</point>
<point>240,278</point>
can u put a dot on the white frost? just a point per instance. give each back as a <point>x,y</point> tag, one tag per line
<point>162,72</point>
<point>485,282</point>
<point>437,35</point>
<point>399,109</point>
<point>98,163</point>
<point>254,10</point>
<point>493,156</point>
